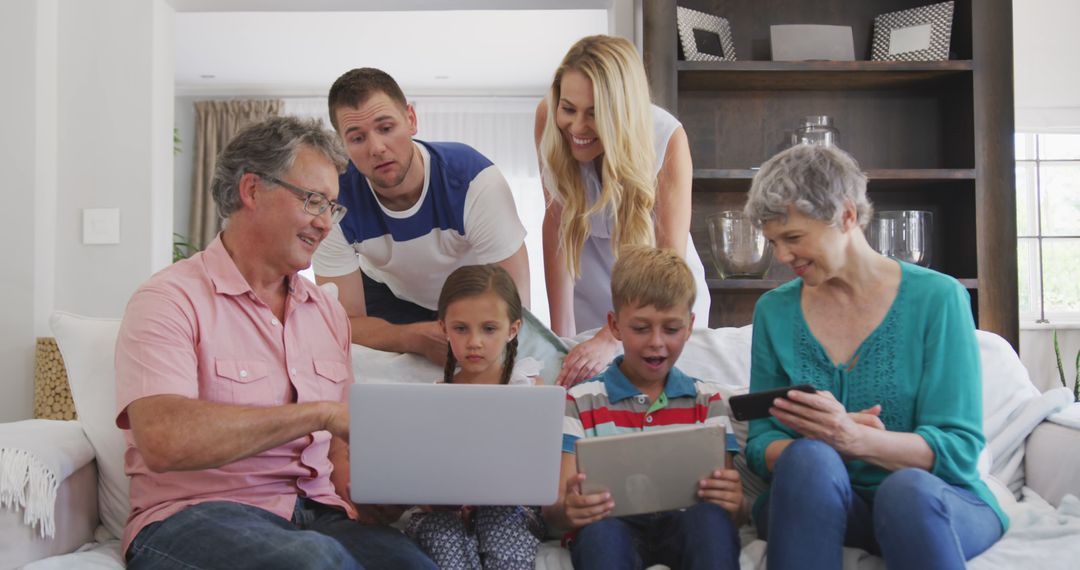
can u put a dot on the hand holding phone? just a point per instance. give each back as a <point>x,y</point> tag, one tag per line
<point>755,405</point>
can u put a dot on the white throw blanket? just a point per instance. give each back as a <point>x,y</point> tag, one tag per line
<point>1007,445</point>
<point>1069,417</point>
<point>1039,536</point>
<point>31,471</point>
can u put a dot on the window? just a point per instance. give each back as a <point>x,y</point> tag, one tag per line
<point>1048,227</point>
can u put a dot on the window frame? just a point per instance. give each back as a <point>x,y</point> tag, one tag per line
<point>1039,317</point>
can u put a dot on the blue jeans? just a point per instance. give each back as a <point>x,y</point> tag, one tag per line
<point>701,536</point>
<point>916,520</point>
<point>222,534</point>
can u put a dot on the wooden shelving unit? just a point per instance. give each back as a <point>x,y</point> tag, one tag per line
<point>716,284</point>
<point>930,135</point>
<point>811,76</point>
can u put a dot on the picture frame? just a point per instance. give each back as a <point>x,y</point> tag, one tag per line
<point>704,37</point>
<point>915,34</point>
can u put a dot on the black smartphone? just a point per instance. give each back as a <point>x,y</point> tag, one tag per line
<point>756,405</point>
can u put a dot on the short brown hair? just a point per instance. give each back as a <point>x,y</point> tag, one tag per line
<point>649,276</point>
<point>357,85</point>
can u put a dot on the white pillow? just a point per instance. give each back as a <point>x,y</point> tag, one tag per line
<point>87,346</point>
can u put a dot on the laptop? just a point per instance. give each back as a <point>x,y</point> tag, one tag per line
<point>455,444</point>
<point>653,471</point>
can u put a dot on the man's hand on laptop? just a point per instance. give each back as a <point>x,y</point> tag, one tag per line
<point>585,509</point>
<point>379,515</point>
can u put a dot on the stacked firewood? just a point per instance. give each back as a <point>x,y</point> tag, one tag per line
<point>52,395</point>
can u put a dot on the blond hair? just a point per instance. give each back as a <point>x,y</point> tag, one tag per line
<point>623,114</point>
<point>649,276</point>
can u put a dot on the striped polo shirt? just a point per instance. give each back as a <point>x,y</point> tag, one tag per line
<point>609,404</point>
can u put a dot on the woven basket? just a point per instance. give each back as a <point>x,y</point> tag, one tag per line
<point>52,395</point>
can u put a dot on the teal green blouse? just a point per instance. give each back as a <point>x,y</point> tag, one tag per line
<point>921,364</point>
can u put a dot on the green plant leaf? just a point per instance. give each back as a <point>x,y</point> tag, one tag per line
<point>181,249</point>
<point>1076,381</point>
<point>1057,355</point>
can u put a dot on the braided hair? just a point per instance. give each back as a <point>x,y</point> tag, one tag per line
<point>473,280</point>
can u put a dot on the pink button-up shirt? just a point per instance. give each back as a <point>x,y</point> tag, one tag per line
<point>197,330</point>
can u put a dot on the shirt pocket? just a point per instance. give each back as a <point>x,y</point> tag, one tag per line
<point>242,382</point>
<point>332,376</point>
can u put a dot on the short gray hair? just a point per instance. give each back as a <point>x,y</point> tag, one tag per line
<point>269,147</point>
<point>815,180</point>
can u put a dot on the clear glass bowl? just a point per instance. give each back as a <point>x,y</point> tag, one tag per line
<point>902,234</point>
<point>739,248</point>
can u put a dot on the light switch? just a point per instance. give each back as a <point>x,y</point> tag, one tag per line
<point>101,226</point>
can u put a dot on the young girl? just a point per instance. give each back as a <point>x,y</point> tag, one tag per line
<point>480,312</point>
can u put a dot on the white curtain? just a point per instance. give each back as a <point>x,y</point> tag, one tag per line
<point>501,128</point>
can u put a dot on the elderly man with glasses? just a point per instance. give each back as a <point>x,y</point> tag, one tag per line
<point>232,373</point>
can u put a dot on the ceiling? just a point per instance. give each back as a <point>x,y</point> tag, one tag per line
<point>298,53</point>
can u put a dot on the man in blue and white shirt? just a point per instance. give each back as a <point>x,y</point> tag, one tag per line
<point>416,211</point>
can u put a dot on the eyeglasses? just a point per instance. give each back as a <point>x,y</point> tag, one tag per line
<point>314,203</point>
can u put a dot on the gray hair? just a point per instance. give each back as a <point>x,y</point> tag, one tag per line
<point>269,147</point>
<point>815,180</point>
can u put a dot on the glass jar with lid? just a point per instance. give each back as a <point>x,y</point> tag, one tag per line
<point>816,129</point>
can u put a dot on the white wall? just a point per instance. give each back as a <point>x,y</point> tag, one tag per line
<point>88,123</point>
<point>1045,44</point>
<point>18,147</point>
<point>115,115</point>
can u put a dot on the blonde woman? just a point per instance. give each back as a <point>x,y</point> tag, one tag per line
<point>616,172</point>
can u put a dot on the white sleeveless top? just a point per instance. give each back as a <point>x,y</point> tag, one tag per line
<point>592,290</point>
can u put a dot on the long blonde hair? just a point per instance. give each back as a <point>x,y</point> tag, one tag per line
<point>623,115</point>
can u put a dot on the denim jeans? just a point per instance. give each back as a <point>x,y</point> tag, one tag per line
<point>222,534</point>
<point>916,520</point>
<point>701,536</point>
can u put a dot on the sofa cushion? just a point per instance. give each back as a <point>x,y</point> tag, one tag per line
<point>87,345</point>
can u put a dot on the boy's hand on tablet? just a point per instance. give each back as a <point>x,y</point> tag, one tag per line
<point>724,489</point>
<point>585,509</point>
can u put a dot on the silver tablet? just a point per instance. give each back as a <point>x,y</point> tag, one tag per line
<point>652,471</point>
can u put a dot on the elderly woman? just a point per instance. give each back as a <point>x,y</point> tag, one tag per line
<point>883,456</point>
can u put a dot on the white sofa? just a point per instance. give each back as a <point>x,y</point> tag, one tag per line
<point>1029,457</point>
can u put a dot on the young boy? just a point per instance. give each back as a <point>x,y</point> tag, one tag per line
<point>652,292</point>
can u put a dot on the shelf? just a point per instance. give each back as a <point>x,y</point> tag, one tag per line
<point>744,284</point>
<point>767,284</point>
<point>738,180</point>
<point>814,75</point>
